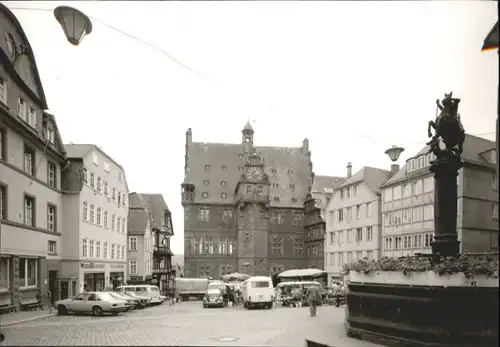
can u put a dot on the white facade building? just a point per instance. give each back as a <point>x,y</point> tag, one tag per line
<point>95,210</point>
<point>353,221</point>
<point>408,203</point>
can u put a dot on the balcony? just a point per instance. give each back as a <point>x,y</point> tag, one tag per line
<point>162,252</point>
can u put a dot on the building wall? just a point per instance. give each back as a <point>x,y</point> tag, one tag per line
<point>142,255</point>
<point>478,210</point>
<point>102,233</point>
<point>341,244</point>
<point>477,227</point>
<point>209,263</point>
<point>19,241</point>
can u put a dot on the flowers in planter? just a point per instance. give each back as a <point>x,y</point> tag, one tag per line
<point>470,264</point>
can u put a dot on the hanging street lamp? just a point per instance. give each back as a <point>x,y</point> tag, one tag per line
<point>394,152</point>
<point>74,23</point>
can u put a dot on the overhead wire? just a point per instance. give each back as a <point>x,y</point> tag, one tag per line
<point>185,66</point>
<point>133,37</point>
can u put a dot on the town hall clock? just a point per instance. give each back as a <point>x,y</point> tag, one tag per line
<point>254,174</point>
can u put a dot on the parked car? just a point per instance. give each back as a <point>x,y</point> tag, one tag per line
<point>143,300</point>
<point>96,303</point>
<point>131,302</point>
<point>213,298</point>
<point>258,291</point>
<point>152,292</point>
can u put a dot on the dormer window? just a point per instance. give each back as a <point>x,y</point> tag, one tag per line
<point>21,109</point>
<point>3,90</point>
<point>50,134</point>
<point>490,155</point>
<point>31,117</point>
<point>276,199</point>
<point>294,200</point>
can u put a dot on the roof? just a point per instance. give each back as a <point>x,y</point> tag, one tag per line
<point>371,176</point>
<point>473,147</point>
<point>137,221</point>
<point>323,186</point>
<point>248,126</point>
<point>220,154</point>
<point>154,203</point>
<point>301,273</point>
<point>81,150</point>
<point>41,97</point>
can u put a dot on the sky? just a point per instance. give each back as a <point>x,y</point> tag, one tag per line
<point>352,77</point>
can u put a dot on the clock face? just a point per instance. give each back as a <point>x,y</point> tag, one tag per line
<point>254,174</point>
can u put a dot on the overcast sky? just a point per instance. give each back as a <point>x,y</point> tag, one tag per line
<point>352,77</point>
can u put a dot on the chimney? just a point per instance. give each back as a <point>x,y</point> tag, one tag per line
<point>394,169</point>
<point>349,169</point>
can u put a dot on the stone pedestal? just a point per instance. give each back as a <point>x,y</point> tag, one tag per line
<point>445,205</point>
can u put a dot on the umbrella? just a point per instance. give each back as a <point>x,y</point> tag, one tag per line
<point>491,40</point>
<point>301,273</point>
<point>235,276</point>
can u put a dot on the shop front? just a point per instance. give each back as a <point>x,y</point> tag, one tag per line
<point>116,274</point>
<point>93,276</point>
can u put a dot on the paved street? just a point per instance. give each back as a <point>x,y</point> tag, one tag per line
<point>188,324</point>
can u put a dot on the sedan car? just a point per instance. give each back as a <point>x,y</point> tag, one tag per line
<point>213,298</point>
<point>96,303</point>
<point>131,302</point>
<point>143,300</point>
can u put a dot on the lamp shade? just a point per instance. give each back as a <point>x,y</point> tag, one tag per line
<point>491,40</point>
<point>74,23</point>
<point>394,152</point>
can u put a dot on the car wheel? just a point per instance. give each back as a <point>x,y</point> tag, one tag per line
<point>61,309</point>
<point>97,311</point>
<point>204,306</point>
<point>2,337</point>
<point>269,305</point>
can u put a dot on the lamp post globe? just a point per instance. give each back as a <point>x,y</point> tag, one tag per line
<point>394,152</point>
<point>74,23</point>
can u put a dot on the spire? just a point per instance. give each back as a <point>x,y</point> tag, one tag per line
<point>247,133</point>
<point>248,127</point>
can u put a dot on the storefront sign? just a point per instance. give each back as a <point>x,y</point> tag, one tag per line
<point>92,265</point>
<point>117,266</point>
<point>136,278</point>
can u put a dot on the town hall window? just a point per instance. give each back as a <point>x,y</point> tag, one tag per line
<point>277,246</point>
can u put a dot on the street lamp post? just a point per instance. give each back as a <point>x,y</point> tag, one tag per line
<point>394,152</point>
<point>74,23</point>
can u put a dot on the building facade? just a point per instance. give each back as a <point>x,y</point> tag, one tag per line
<point>95,194</point>
<point>353,222</point>
<point>31,158</point>
<point>408,203</point>
<point>244,207</point>
<point>141,239</point>
<point>317,199</point>
<point>163,275</point>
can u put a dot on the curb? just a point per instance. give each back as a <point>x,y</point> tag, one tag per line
<point>27,320</point>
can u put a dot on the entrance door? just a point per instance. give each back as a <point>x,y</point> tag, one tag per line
<point>53,285</point>
<point>64,289</point>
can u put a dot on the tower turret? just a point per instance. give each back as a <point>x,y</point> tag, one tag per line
<point>247,133</point>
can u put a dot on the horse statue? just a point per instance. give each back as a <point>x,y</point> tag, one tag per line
<point>448,127</point>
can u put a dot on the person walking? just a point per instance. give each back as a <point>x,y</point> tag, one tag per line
<point>49,299</point>
<point>313,297</point>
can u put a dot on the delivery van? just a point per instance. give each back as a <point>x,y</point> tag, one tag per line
<point>152,292</point>
<point>258,292</point>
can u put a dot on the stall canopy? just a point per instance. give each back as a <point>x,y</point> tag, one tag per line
<point>300,273</point>
<point>235,276</point>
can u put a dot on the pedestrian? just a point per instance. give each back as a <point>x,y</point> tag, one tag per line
<point>39,299</point>
<point>313,297</point>
<point>49,299</point>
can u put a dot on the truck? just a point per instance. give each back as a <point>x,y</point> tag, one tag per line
<point>191,287</point>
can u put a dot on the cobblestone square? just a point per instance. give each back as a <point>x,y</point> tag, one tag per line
<point>188,324</point>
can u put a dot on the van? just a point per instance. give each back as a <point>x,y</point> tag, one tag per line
<point>152,292</point>
<point>258,291</point>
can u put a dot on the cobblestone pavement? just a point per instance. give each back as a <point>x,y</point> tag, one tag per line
<point>188,324</point>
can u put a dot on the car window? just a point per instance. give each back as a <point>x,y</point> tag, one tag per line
<point>260,284</point>
<point>141,289</point>
<point>92,297</point>
<point>154,289</point>
<point>82,297</point>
